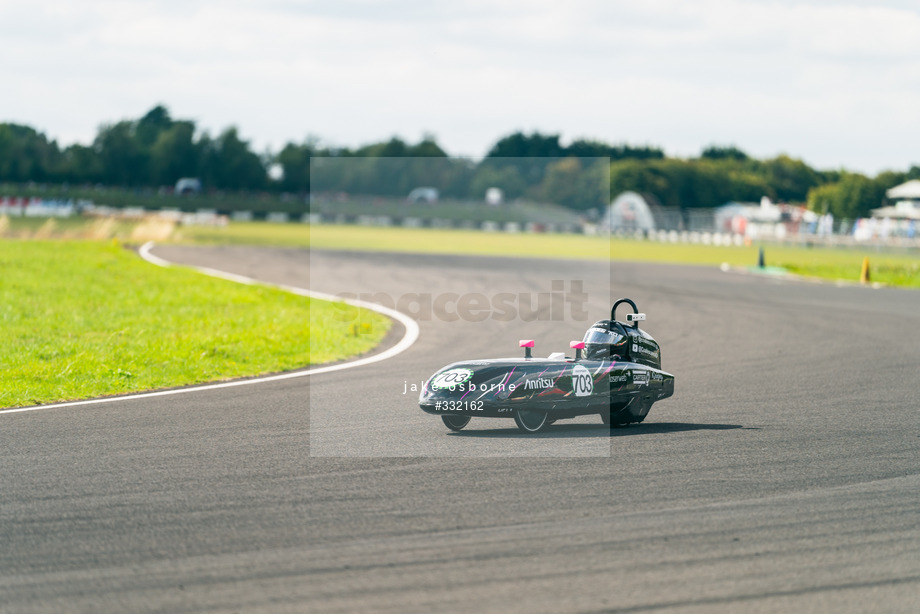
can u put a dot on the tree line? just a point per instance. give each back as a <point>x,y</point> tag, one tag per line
<point>156,150</point>
<point>724,174</point>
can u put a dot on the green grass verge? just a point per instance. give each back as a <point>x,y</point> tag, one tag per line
<point>86,319</point>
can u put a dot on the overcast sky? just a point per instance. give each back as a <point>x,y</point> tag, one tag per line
<point>834,83</point>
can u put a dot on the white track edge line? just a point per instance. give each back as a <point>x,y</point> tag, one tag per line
<point>411,326</point>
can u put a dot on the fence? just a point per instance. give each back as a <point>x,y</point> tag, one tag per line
<point>698,226</point>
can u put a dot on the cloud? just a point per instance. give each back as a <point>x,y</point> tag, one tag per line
<point>835,83</point>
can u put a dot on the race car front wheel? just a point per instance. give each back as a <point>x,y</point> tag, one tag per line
<point>455,423</point>
<point>530,421</point>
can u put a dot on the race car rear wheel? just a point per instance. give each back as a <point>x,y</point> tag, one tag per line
<point>530,421</point>
<point>617,415</point>
<point>455,423</point>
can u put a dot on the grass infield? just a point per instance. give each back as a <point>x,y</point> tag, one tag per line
<point>81,319</point>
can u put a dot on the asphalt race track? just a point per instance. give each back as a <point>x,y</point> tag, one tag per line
<point>784,474</point>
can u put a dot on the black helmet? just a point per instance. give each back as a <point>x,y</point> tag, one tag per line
<point>604,339</point>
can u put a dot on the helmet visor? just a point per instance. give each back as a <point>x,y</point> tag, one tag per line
<point>599,335</point>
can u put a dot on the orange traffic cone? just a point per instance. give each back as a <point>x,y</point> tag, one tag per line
<point>864,275</point>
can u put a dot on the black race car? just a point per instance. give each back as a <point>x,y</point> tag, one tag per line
<point>616,373</point>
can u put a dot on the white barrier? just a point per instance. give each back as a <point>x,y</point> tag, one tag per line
<point>36,207</point>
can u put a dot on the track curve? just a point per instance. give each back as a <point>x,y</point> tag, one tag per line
<point>783,474</point>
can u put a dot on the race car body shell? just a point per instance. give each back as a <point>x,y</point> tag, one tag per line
<point>564,388</point>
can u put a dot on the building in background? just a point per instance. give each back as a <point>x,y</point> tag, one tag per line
<point>630,211</point>
<point>905,202</point>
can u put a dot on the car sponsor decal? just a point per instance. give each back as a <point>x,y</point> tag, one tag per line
<point>582,382</point>
<point>451,377</point>
<point>640,378</point>
<point>538,384</point>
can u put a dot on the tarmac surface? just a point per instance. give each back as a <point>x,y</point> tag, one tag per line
<point>783,475</point>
